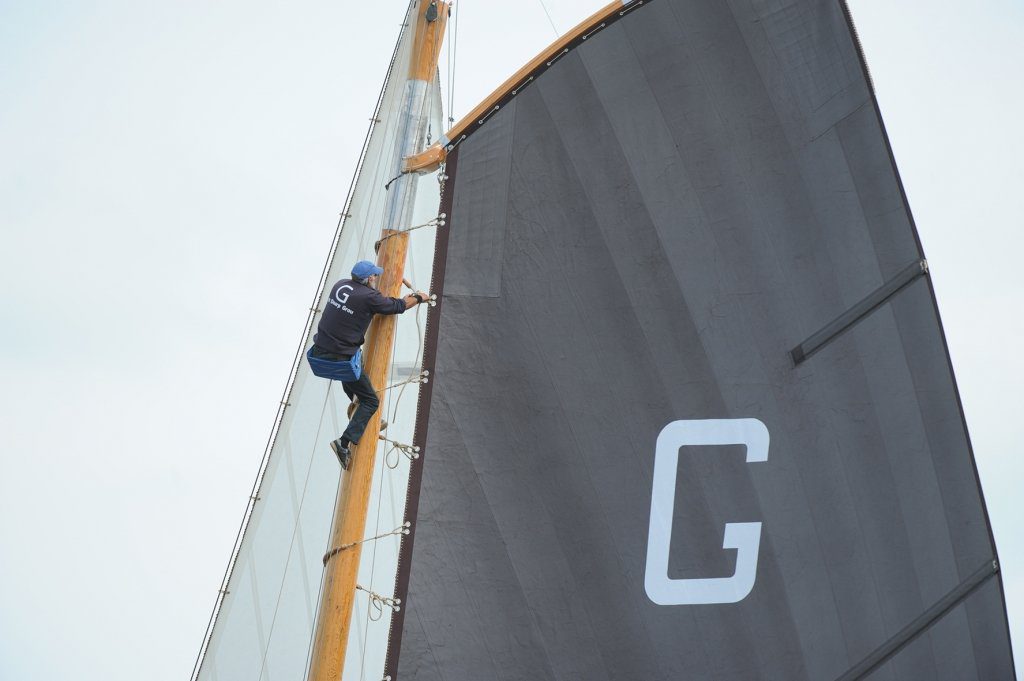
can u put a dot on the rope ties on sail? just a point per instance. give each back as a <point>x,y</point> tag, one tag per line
<point>377,602</point>
<point>422,377</point>
<point>402,529</point>
<point>439,221</point>
<point>412,452</point>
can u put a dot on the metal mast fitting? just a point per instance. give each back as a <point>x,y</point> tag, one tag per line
<point>334,617</point>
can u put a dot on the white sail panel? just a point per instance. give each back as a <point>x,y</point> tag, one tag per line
<point>263,625</point>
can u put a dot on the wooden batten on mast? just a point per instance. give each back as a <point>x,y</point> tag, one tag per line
<point>335,614</point>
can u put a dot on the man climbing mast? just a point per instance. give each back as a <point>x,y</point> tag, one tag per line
<point>341,333</point>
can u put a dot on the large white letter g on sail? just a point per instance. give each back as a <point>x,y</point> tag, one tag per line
<point>744,537</point>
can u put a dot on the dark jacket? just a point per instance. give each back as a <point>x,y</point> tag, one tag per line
<point>347,315</point>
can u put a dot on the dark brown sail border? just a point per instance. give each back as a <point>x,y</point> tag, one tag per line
<point>412,497</point>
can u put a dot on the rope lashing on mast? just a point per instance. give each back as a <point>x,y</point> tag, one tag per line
<point>403,529</point>
<point>378,602</point>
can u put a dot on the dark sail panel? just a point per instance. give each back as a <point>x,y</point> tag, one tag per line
<point>692,414</point>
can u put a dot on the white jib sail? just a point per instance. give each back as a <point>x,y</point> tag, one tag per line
<point>266,613</point>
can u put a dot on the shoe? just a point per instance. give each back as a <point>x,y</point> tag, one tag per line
<point>343,453</point>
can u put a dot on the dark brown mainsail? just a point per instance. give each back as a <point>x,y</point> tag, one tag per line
<point>683,246</point>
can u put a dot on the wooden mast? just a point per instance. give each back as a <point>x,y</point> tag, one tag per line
<point>335,614</point>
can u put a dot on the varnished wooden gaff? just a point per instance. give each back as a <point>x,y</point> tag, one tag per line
<point>428,160</point>
<point>340,573</point>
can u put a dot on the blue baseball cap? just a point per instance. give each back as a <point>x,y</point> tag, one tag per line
<point>364,269</point>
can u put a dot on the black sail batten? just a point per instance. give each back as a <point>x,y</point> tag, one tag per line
<point>920,625</point>
<point>866,72</point>
<point>636,242</point>
<point>869,304</point>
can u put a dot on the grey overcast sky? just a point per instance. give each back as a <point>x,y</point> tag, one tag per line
<point>170,179</point>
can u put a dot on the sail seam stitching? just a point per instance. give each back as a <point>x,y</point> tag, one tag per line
<point>923,623</point>
<point>847,320</point>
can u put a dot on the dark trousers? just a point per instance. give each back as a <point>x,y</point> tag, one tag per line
<point>363,389</point>
<point>368,403</point>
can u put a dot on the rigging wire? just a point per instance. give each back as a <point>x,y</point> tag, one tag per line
<point>319,593</point>
<point>367,156</point>
<point>223,591</point>
<point>295,526</point>
<point>453,46</point>
<point>550,21</point>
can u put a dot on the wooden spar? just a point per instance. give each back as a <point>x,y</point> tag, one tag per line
<point>428,160</point>
<point>339,589</point>
<point>334,617</point>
